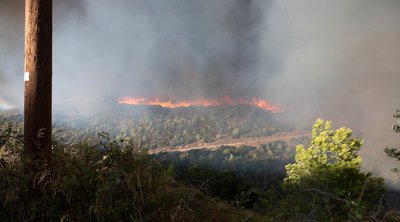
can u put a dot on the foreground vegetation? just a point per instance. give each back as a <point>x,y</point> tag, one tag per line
<point>321,183</point>
<point>115,182</point>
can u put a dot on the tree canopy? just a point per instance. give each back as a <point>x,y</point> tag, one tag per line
<point>329,150</point>
<point>328,172</point>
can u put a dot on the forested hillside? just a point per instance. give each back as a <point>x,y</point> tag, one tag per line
<point>154,127</point>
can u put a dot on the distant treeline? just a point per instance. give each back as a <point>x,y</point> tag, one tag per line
<point>157,127</point>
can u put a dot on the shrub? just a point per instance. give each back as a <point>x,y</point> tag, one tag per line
<point>88,182</point>
<point>326,180</point>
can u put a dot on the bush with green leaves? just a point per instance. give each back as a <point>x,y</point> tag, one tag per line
<point>113,181</point>
<point>224,185</point>
<point>326,180</point>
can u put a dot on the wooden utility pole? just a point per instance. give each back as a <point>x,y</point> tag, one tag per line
<point>38,79</point>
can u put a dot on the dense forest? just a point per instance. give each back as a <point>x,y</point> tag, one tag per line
<point>101,171</point>
<point>157,127</point>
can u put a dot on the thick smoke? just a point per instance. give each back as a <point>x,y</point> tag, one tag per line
<point>12,46</point>
<point>183,49</point>
<point>178,48</point>
<point>340,60</point>
<point>11,52</point>
<point>333,59</point>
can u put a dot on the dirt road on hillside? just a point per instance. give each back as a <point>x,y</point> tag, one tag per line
<point>287,136</point>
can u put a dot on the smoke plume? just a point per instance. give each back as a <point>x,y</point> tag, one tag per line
<point>339,60</point>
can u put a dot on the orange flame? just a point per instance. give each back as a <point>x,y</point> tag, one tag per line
<point>172,103</point>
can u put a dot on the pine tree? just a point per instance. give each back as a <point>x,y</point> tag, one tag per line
<point>329,173</point>
<point>395,152</point>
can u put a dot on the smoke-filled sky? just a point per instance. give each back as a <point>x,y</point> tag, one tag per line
<point>340,62</point>
<point>319,58</point>
<point>175,48</point>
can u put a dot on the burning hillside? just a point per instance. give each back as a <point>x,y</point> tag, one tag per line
<point>174,103</point>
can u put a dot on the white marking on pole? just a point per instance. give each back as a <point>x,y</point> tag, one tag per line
<point>26,76</point>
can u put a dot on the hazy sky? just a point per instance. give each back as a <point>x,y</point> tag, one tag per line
<point>340,62</point>
<point>333,59</point>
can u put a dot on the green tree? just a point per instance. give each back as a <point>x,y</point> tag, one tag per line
<point>394,152</point>
<point>329,150</point>
<point>326,179</point>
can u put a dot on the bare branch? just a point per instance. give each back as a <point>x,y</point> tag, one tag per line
<point>328,194</point>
